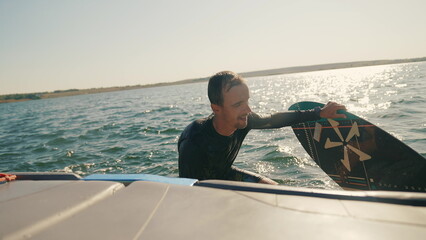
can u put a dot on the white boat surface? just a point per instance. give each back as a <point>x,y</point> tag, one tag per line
<point>140,206</point>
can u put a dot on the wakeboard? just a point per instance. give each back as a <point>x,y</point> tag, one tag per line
<point>358,155</point>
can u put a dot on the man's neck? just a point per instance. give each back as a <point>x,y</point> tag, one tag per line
<point>221,128</point>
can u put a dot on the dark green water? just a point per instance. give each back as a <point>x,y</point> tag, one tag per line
<point>137,131</point>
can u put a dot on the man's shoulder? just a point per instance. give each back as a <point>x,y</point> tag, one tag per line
<point>196,128</point>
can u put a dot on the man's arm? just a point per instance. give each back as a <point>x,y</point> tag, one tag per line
<point>283,119</point>
<point>189,167</point>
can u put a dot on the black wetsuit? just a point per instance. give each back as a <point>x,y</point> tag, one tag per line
<point>205,154</point>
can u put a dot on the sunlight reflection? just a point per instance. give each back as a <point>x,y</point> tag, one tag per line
<point>357,88</point>
<point>264,167</point>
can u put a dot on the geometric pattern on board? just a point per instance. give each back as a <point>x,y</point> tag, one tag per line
<point>343,142</point>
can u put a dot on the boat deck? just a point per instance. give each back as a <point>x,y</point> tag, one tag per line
<point>132,207</point>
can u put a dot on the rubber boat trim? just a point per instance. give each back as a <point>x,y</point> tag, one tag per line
<point>401,198</point>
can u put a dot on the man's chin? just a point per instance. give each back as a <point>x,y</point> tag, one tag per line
<point>242,125</point>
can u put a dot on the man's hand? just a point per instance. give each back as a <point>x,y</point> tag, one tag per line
<point>330,110</point>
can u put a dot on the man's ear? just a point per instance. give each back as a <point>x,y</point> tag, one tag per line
<point>216,108</point>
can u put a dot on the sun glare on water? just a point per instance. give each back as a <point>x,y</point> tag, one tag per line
<point>362,90</point>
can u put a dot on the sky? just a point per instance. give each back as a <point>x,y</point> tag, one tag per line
<point>48,45</point>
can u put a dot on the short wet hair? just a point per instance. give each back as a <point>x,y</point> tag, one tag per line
<point>222,81</point>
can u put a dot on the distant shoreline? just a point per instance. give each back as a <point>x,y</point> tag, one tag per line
<point>73,92</point>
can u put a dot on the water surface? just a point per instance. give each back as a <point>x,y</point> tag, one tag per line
<point>136,131</point>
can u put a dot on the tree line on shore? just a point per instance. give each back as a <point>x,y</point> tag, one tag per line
<point>31,96</point>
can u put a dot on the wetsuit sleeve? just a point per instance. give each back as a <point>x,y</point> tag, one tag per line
<point>282,119</point>
<point>192,161</point>
<point>189,164</point>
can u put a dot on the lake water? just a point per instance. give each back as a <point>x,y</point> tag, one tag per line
<point>137,131</point>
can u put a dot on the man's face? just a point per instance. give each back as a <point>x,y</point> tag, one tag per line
<point>235,107</point>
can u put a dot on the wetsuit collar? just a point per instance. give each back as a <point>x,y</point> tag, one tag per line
<point>215,128</point>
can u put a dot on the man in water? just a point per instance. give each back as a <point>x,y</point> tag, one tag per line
<point>208,147</point>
